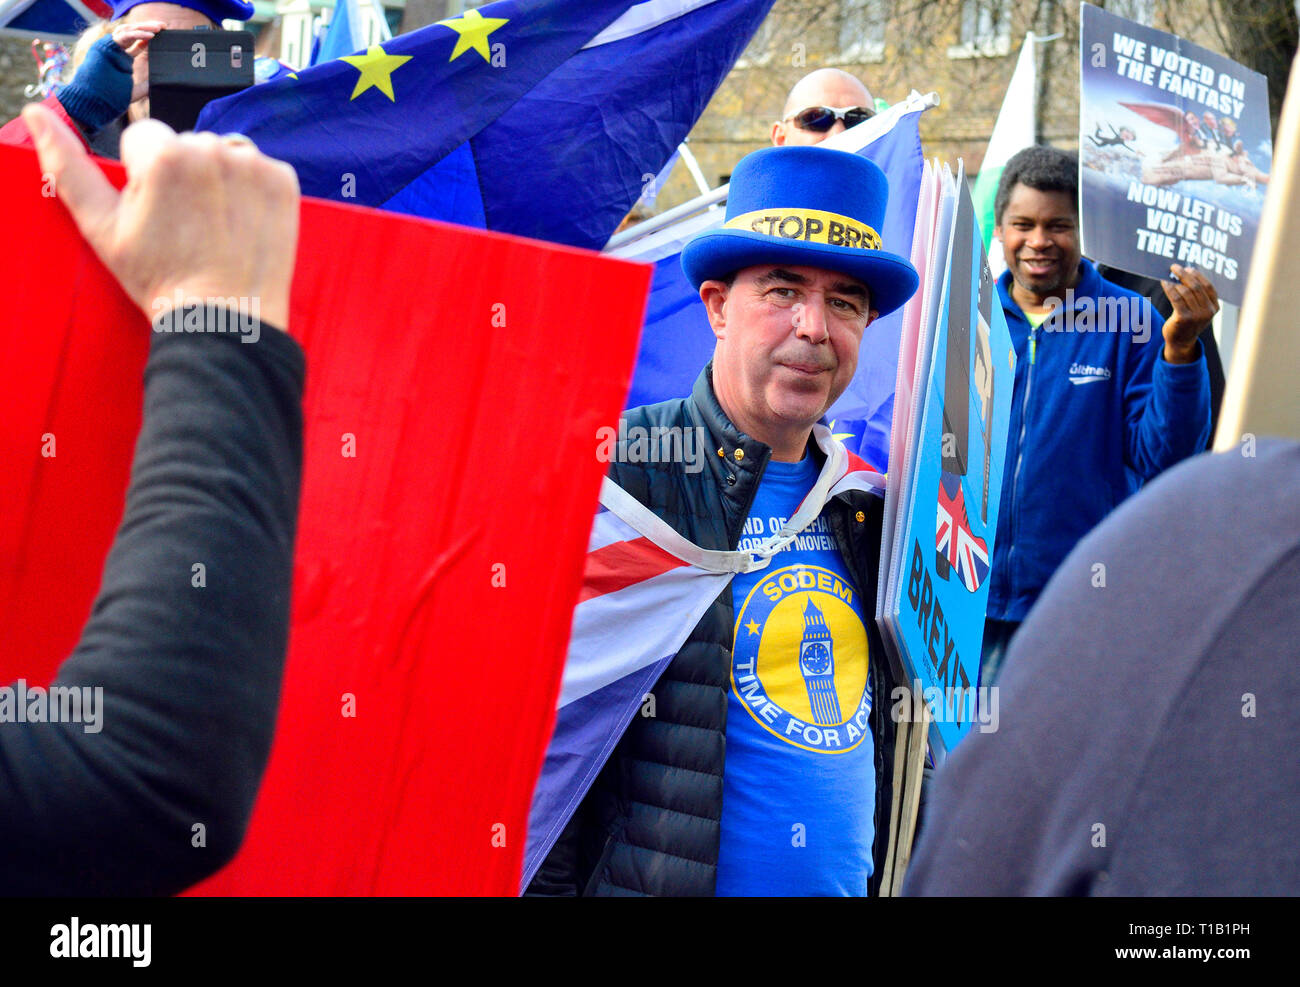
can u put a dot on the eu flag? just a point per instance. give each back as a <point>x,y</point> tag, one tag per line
<point>542,118</point>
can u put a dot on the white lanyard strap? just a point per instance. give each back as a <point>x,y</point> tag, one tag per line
<point>649,525</point>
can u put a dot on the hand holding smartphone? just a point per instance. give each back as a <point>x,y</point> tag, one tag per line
<point>189,69</point>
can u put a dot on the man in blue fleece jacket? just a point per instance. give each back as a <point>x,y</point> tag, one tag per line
<point>1099,405</point>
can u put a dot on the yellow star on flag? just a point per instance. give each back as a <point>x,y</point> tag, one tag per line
<point>473,29</point>
<point>752,626</point>
<point>376,67</point>
<point>839,435</point>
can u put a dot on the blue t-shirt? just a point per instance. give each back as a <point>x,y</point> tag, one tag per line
<point>800,784</point>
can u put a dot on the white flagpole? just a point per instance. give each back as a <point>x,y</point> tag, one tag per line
<point>693,167</point>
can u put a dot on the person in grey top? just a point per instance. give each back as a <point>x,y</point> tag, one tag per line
<point>1150,706</point>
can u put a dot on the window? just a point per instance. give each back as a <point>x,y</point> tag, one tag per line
<point>862,30</point>
<point>985,29</point>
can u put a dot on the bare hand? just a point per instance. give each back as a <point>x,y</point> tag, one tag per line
<point>1195,301</point>
<point>134,39</point>
<point>200,216</point>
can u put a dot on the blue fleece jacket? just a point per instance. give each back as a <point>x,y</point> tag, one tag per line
<point>1096,411</point>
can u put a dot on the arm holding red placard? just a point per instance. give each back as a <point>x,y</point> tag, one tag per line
<point>177,674</point>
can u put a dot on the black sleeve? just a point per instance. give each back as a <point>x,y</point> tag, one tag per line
<point>186,639</point>
<point>557,875</point>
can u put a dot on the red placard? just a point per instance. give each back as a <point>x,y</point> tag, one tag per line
<point>437,567</point>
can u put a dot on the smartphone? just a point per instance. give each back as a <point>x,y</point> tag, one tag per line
<point>189,69</point>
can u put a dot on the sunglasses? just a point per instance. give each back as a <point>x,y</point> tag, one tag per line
<point>821,118</point>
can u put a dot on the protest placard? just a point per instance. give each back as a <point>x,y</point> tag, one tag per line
<point>441,531</point>
<point>950,493</point>
<point>1175,150</point>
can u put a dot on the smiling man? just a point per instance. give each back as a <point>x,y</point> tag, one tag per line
<point>765,767</point>
<point>1107,394</point>
<point>774,382</point>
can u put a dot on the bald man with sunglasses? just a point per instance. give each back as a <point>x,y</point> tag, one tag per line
<point>822,103</point>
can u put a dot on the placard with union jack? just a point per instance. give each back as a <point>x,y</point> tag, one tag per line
<point>950,504</point>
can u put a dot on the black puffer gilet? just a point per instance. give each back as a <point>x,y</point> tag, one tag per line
<point>650,824</point>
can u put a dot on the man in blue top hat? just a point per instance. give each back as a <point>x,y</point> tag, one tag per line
<point>766,766</point>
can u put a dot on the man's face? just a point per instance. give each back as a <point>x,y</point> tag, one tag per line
<point>1040,239</point>
<point>177,18</point>
<point>837,92</point>
<point>787,343</point>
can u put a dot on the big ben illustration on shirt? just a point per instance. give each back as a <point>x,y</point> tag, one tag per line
<point>800,660</point>
<point>817,665</point>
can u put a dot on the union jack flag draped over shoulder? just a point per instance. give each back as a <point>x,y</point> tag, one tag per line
<point>645,587</point>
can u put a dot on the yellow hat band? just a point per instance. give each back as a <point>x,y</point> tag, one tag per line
<point>808,225</point>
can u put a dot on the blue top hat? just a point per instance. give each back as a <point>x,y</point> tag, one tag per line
<point>807,206</point>
<point>213,10</point>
